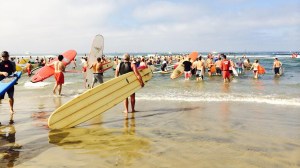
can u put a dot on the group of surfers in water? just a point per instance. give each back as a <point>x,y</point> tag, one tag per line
<point>218,65</point>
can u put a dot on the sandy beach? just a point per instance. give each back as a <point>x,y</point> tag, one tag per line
<point>161,134</point>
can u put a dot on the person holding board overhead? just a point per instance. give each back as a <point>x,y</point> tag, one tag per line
<point>7,68</point>
<point>123,68</point>
<point>59,68</point>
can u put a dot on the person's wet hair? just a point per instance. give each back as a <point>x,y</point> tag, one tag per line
<point>60,57</point>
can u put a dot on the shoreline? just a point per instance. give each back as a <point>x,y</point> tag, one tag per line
<point>241,134</point>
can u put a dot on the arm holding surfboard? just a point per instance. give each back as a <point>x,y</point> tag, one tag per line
<point>126,67</point>
<point>137,74</point>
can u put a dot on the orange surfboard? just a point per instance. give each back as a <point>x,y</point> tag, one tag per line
<point>47,71</point>
<point>193,55</point>
<point>261,70</point>
<point>213,69</point>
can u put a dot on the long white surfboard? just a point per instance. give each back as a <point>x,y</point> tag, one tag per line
<point>95,101</point>
<point>96,51</point>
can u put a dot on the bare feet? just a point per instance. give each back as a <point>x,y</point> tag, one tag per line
<point>54,92</point>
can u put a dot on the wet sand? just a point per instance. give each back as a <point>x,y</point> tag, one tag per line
<point>161,134</point>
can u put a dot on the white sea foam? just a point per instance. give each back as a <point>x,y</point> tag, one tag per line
<point>31,85</point>
<point>225,98</point>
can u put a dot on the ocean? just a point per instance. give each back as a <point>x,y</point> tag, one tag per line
<point>180,123</point>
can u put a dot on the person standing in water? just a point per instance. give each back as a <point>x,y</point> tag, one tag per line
<point>187,68</point>
<point>255,68</point>
<point>98,71</point>
<point>59,68</point>
<point>123,68</point>
<point>276,66</point>
<point>200,69</point>
<point>225,64</point>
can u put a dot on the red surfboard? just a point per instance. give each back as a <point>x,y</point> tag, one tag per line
<point>47,71</point>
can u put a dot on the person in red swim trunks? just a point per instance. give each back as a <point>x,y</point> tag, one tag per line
<point>59,68</point>
<point>225,64</point>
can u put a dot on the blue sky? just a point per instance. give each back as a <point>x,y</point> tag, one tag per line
<point>54,26</point>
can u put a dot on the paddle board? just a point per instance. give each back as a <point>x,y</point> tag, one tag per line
<point>95,52</point>
<point>8,82</point>
<point>47,71</point>
<point>97,100</point>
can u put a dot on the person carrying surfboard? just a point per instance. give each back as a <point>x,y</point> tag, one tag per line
<point>123,68</point>
<point>98,71</point>
<point>59,68</point>
<point>7,68</point>
<point>276,66</point>
<point>187,68</point>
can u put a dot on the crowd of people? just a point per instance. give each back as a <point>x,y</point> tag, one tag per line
<point>218,65</point>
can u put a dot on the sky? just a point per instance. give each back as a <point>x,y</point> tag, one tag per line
<point>54,26</point>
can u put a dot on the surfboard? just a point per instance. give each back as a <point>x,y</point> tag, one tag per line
<point>261,70</point>
<point>47,71</point>
<point>97,100</point>
<point>235,73</point>
<point>281,71</point>
<point>33,66</point>
<point>178,71</point>
<point>23,60</point>
<point>213,69</point>
<point>8,82</point>
<point>19,68</point>
<point>193,55</point>
<point>95,52</point>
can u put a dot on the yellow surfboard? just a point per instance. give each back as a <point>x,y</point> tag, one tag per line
<point>178,71</point>
<point>23,60</point>
<point>95,101</point>
<point>19,68</point>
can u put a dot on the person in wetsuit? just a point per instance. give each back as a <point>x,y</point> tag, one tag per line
<point>125,67</point>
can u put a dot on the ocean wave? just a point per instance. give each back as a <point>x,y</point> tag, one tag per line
<point>226,98</point>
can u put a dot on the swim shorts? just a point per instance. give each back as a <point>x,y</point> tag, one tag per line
<point>59,77</point>
<point>226,74</point>
<point>10,93</point>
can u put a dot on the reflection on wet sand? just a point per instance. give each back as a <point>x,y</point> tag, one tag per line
<point>121,147</point>
<point>8,148</point>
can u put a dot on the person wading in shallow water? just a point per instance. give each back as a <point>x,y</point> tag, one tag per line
<point>225,64</point>
<point>59,68</point>
<point>123,68</point>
